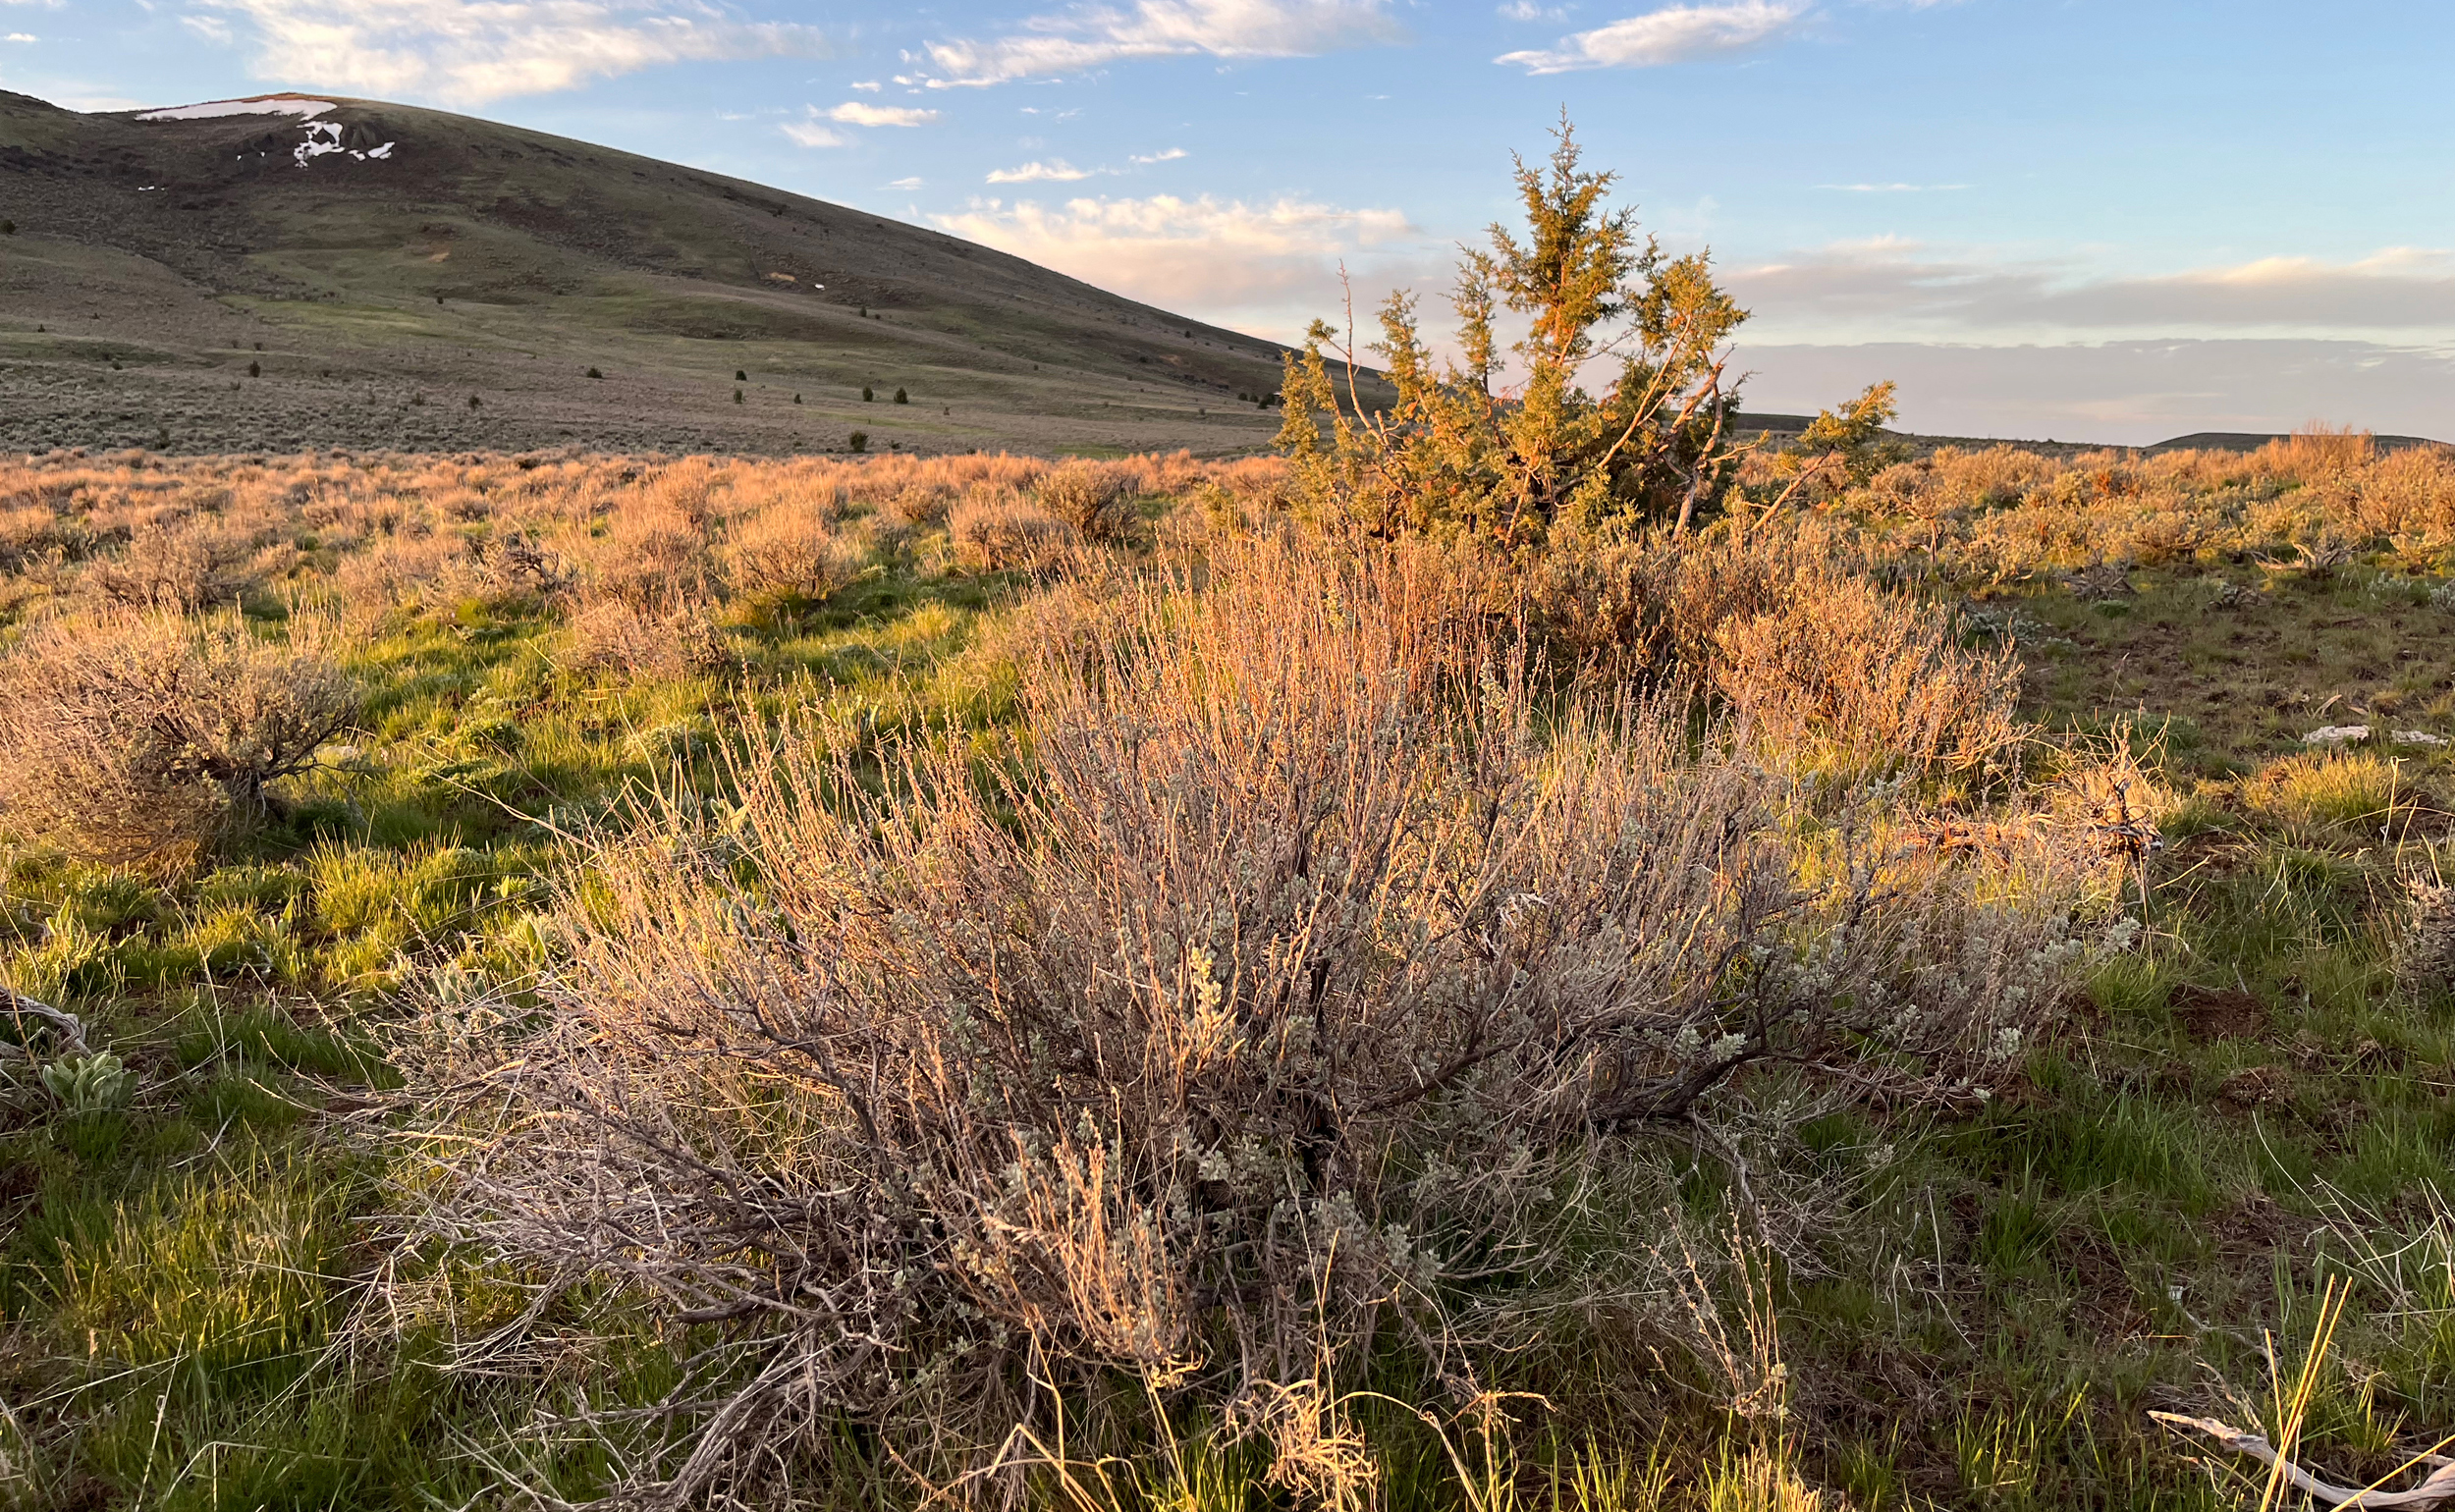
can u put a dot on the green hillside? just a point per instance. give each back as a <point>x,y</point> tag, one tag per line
<point>206,284</point>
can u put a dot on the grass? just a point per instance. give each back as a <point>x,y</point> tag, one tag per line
<point>2234,1115</point>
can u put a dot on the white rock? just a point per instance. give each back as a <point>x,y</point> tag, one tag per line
<point>2419,738</point>
<point>2337,734</point>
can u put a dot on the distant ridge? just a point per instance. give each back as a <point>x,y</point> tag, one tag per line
<point>1787,425</point>
<point>2247,441</point>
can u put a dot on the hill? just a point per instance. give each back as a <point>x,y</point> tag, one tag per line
<point>2252,441</point>
<point>297,272</point>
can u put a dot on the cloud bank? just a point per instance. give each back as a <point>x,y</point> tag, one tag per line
<point>1226,260</point>
<point>2129,393</point>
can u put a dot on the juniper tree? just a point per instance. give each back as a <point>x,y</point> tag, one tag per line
<point>1528,455</point>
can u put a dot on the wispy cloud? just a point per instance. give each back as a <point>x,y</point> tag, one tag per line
<point>21,37</point>
<point>471,51</point>
<point>1090,36</point>
<point>1892,188</point>
<point>809,133</point>
<point>1055,171</point>
<point>857,113</point>
<point>1675,33</point>
<point>906,184</point>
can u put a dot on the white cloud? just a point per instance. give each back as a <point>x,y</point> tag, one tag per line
<point>1528,10</point>
<point>867,86</point>
<point>1892,188</point>
<point>1675,33</point>
<point>1168,155</point>
<point>856,113</point>
<point>212,29</point>
<point>1267,266</point>
<point>809,133</point>
<point>471,51</point>
<point>1055,171</point>
<point>21,37</point>
<point>906,184</point>
<point>1086,37</point>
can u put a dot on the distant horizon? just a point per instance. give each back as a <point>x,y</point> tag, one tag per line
<point>2129,222</point>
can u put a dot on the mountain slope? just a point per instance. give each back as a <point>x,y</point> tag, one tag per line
<point>379,266</point>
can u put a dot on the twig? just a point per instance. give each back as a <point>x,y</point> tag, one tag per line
<point>2437,1490</point>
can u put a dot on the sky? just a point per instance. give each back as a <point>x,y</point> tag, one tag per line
<point>2064,219</point>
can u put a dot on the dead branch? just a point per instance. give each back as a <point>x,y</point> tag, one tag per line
<point>18,1007</point>
<point>2437,1490</point>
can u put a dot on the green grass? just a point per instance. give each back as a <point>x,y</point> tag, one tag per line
<point>2003,1293</point>
<point>178,1277</point>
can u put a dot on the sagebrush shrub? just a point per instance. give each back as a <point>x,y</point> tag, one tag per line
<point>178,568</point>
<point>790,550</point>
<point>1001,532</point>
<point>147,739</point>
<point>652,556</point>
<point>1096,500</point>
<point>1276,993</point>
<point>623,635</point>
<point>921,503</point>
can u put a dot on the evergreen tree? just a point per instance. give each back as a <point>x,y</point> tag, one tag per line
<point>1522,464</point>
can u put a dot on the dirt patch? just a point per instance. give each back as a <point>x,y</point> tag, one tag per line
<point>2209,1013</point>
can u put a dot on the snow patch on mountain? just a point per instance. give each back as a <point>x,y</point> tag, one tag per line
<point>210,110</point>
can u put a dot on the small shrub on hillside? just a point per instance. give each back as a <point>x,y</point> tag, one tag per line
<point>1842,675</point>
<point>921,503</point>
<point>1008,534</point>
<point>1825,667</point>
<point>2425,952</point>
<point>903,398</point>
<point>615,635</point>
<point>858,441</point>
<point>652,556</point>
<point>147,739</point>
<point>1096,501</point>
<point>784,551</point>
<point>517,570</point>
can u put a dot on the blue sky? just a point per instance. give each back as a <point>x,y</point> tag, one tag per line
<point>2064,218</point>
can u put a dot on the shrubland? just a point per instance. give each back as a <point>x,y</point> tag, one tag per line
<point>1532,951</point>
